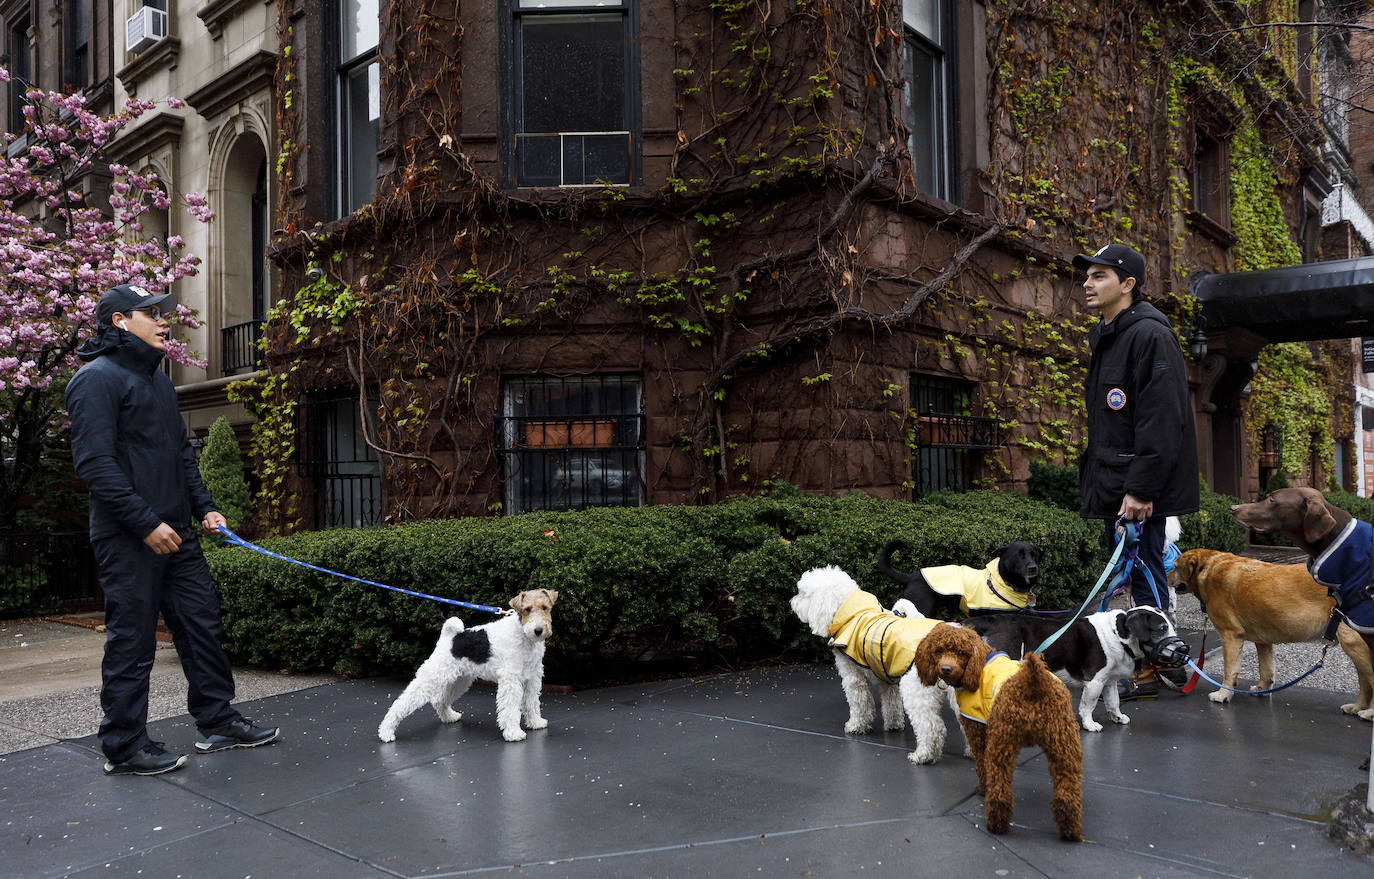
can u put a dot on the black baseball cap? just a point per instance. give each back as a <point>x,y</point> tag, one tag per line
<point>1126,260</point>
<point>126,298</point>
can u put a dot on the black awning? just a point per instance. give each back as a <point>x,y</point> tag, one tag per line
<point>1320,300</point>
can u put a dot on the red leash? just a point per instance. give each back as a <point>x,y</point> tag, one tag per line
<point>1201,658</point>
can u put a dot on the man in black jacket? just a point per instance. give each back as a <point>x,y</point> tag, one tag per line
<point>1141,459</point>
<point>130,446</point>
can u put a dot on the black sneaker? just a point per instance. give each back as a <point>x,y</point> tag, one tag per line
<point>151,759</point>
<point>240,733</point>
<point>1131,691</point>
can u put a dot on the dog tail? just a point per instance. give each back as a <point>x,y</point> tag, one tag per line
<point>885,559</point>
<point>452,626</point>
<point>1038,677</point>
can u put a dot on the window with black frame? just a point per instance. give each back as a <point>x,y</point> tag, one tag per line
<point>573,93</point>
<point>335,458</point>
<point>948,437</point>
<point>76,60</point>
<point>358,101</point>
<point>20,52</point>
<point>1209,177</point>
<point>571,442</point>
<point>928,29</point>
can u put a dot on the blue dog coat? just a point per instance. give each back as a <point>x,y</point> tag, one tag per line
<point>1346,569</point>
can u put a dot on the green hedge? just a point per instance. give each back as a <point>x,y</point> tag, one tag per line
<point>667,581</point>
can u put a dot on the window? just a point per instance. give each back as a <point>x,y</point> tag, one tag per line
<point>77,63</point>
<point>1334,77</point>
<point>359,102</point>
<point>572,442</point>
<point>1209,178</point>
<point>948,435</point>
<point>928,30</point>
<point>20,51</point>
<point>574,95</point>
<point>336,460</point>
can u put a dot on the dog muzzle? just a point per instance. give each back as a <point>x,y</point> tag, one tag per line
<point>1169,652</point>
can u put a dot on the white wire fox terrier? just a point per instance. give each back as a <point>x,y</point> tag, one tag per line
<point>508,652</point>
<point>861,634</point>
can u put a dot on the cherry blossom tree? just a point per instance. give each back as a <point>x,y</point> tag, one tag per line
<point>58,253</point>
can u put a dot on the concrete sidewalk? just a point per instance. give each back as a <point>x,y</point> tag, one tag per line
<point>722,776</point>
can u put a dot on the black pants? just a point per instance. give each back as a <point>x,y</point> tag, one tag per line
<point>1152,555</point>
<point>138,584</point>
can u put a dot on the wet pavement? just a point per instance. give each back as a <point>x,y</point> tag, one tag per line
<point>745,774</point>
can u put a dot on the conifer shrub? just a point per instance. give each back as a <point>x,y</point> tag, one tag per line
<point>221,469</point>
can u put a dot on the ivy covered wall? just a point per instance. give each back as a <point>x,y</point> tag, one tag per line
<point>776,275</point>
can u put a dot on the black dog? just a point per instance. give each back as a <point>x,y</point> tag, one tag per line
<point>955,591</point>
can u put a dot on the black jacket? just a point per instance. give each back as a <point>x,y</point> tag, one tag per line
<point>129,440</point>
<point>1140,419</point>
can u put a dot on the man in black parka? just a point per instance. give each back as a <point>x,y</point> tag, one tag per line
<point>1141,458</point>
<point>130,446</point>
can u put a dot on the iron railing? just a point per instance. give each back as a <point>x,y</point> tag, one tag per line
<point>239,349</point>
<point>947,447</point>
<point>48,572</point>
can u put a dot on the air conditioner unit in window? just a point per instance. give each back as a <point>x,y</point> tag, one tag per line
<point>146,27</point>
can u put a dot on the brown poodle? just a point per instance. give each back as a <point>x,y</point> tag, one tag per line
<point>1024,704</point>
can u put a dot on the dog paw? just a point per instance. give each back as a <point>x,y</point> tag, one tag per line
<point>854,728</point>
<point>1367,714</point>
<point>922,758</point>
<point>537,723</point>
<point>1119,718</point>
<point>451,716</point>
<point>386,735</point>
<point>1091,725</point>
<point>513,735</point>
<point>1221,697</point>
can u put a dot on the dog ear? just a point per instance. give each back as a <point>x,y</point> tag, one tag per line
<point>1000,551</point>
<point>553,596</point>
<point>519,602</point>
<point>973,666</point>
<point>1037,552</point>
<point>1317,521</point>
<point>925,656</point>
<point>1123,631</point>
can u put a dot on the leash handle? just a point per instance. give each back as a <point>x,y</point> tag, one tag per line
<point>232,538</point>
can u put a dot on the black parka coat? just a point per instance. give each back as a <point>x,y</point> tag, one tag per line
<point>1140,419</point>
<point>129,441</point>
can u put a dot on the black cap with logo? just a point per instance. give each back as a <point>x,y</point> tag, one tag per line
<point>1126,260</point>
<point>126,298</point>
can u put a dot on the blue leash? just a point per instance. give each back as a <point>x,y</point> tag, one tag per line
<point>1197,669</point>
<point>232,538</point>
<point>1112,564</point>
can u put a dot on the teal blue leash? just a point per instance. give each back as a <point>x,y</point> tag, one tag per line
<point>232,538</point>
<point>1112,564</point>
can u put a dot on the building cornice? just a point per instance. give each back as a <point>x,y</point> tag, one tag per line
<point>163,54</point>
<point>217,12</point>
<point>157,131</point>
<point>238,84</point>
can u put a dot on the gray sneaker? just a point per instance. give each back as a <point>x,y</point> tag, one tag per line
<point>151,759</point>
<point>240,733</point>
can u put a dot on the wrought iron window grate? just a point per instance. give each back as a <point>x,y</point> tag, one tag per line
<point>949,440</point>
<point>342,469</point>
<point>571,442</point>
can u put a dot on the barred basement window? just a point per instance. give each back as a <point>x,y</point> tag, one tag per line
<point>571,442</point>
<point>949,437</point>
<point>335,458</point>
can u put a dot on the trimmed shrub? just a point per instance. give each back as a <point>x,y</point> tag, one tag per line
<point>666,582</point>
<point>1359,507</point>
<point>1213,526</point>
<point>1054,484</point>
<point>221,469</point>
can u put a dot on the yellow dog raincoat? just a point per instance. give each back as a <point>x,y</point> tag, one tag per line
<point>879,640</point>
<point>975,704</point>
<point>977,589</point>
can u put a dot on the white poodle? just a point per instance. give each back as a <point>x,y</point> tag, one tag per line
<point>873,646</point>
<point>508,652</point>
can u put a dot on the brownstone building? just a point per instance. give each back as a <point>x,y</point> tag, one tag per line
<point>544,254</point>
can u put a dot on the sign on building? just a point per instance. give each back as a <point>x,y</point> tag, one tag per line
<point>1367,354</point>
